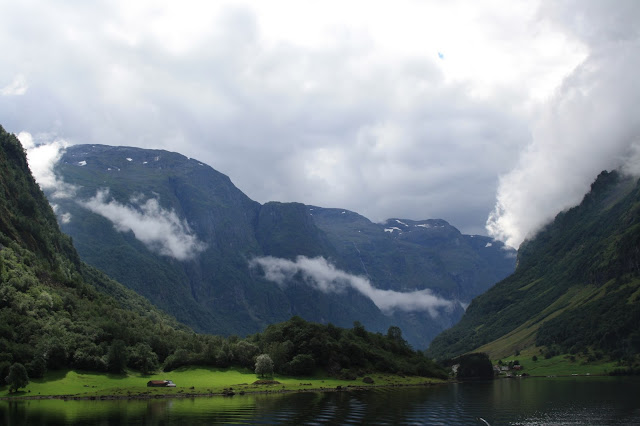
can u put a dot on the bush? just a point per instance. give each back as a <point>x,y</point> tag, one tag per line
<point>346,374</point>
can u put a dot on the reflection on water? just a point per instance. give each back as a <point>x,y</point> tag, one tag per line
<point>561,401</point>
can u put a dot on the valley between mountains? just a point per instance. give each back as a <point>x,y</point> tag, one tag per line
<point>181,234</point>
<point>299,283</point>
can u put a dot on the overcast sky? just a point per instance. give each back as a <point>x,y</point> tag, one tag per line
<point>493,115</point>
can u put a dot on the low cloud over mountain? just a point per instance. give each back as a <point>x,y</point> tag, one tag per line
<point>324,276</point>
<point>590,124</point>
<point>161,230</point>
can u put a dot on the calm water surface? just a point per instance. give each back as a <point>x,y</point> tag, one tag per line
<point>532,401</point>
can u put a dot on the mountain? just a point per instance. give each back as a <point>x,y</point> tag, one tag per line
<point>56,311</point>
<point>576,288</point>
<point>180,233</point>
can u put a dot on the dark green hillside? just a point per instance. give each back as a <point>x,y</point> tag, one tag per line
<point>55,311</point>
<point>576,288</point>
<point>25,215</point>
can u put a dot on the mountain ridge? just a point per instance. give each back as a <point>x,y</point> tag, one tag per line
<point>212,287</point>
<point>576,283</point>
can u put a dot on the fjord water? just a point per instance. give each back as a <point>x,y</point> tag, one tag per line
<point>531,401</point>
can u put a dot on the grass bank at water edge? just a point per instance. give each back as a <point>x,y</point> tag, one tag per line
<point>189,381</point>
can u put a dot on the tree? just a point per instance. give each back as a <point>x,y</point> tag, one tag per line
<point>475,365</point>
<point>57,355</point>
<point>37,367</point>
<point>359,330</point>
<point>17,377</point>
<point>395,333</point>
<point>264,365</point>
<point>243,353</point>
<point>143,358</point>
<point>178,359</point>
<point>117,357</point>
<point>301,365</point>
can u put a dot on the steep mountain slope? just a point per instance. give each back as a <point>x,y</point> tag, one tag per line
<point>576,287</point>
<point>402,252</point>
<point>179,233</point>
<point>56,311</point>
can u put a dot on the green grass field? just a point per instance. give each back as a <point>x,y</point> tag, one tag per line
<point>189,381</point>
<point>560,365</point>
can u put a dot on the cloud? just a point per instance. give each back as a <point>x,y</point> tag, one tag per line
<point>64,217</point>
<point>161,230</point>
<point>591,123</point>
<point>17,87</point>
<point>42,157</point>
<point>346,105</point>
<point>325,277</point>
<point>322,102</point>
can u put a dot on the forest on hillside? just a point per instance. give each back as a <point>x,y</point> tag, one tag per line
<point>58,313</point>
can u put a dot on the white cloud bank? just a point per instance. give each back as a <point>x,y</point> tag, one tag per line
<point>589,125</point>
<point>42,156</point>
<point>325,277</point>
<point>159,229</point>
<point>391,109</point>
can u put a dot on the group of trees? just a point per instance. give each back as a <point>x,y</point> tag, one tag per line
<point>47,323</point>
<point>297,347</point>
<point>475,365</point>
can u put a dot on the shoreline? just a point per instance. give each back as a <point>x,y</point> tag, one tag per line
<point>145,396</point>
<point>241,390</point>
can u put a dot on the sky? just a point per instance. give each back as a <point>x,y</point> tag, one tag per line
<point>493,115</point>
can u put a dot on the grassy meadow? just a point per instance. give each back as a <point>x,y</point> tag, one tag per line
<point>561,365</point>
<point>189,381</point>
